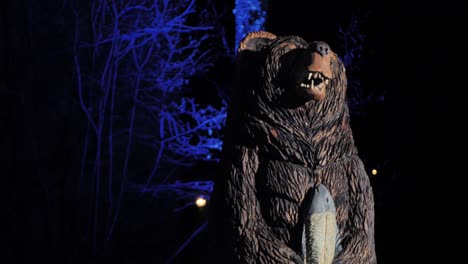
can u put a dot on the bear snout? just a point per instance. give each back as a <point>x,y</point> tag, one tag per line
<point>320,58</point>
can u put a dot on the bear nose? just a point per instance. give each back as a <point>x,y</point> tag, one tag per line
<point>320,47</point>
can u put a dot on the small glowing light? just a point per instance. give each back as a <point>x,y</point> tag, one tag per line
<point>200,202</point>
<point>374,172</point>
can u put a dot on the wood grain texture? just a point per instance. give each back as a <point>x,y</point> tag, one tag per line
<point>278,145</point>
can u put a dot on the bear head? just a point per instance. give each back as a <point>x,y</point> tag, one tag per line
<point>288,74</point>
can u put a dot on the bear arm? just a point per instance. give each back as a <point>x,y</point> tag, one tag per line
<point>254,242</point>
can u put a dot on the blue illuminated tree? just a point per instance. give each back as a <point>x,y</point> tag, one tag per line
<point>132,69</point>
<point>352,40</point>
<point>250,16</point>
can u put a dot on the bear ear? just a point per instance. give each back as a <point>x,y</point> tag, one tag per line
<point>255,41</point>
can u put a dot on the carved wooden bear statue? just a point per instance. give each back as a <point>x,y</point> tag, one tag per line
<point>293,188</point>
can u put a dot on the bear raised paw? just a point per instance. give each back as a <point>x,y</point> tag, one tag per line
<point>287,134</point>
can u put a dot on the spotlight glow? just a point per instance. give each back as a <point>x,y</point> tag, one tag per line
<point>374,172</point>
<point>200,202</point>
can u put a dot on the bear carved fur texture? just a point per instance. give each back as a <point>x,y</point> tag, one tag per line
<point>287,131</point>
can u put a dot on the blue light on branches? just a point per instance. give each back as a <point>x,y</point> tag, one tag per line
<point>191,132</point>
<point>249,17</point>
<point>133,64</point>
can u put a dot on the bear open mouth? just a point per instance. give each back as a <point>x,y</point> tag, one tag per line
<point>315,80</point>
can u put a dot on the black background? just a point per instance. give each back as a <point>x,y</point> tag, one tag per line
<point>415,51</point>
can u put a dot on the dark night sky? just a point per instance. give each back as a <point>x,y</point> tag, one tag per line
<point>414,52</point>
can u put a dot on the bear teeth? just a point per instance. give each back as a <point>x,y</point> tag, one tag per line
<point>320,86</point>
<point>315,75</point>
<point>315,80</point>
